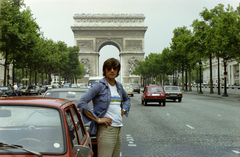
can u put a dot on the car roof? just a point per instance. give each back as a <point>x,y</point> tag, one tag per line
<point>44,101</point>
<point>153,86</point>
<point>68,89</point>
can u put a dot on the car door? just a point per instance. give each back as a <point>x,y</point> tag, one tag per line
<point>77,133</point>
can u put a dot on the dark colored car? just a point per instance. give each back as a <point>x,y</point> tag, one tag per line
<point>136,88</point>
<point>173,92</point>
<point>33,90</point>
<point>153,93</point>
<point>7,91</point>
<point>46,127</point>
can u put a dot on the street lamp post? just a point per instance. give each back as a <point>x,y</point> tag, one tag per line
<point>225,79</point>
<point>200,69</point>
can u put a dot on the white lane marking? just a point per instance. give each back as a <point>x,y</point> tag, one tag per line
<point>132,145</point>
<point>168,114</point>
<point>235,151</point>
<point>130,140</point>
<point>190,127</point>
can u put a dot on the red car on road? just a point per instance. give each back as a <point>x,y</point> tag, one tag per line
<point>153,93</point>
<point>44,127</point>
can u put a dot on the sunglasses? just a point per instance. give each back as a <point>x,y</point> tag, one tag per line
<point>110,68</point>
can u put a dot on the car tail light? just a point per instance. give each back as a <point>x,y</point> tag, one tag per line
<point>180,94</point>
<point>166,94</point>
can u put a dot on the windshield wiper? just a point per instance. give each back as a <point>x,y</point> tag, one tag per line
<point>20,147</point>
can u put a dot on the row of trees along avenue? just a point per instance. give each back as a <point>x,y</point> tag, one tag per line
<point>23,45</point>
<point>217,35</point>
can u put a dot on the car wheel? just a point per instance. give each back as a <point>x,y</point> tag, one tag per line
<point>179,100</point>
<point>159,103</point>
<point>145,103</point>
<point>164,103</point>
<point>132,95</point>
<point>174,100</point>
<point>142,102</point>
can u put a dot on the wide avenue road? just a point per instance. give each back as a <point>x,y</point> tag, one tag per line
<point>199,126</point>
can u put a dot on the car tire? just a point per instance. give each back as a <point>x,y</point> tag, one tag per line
<point>180,100</point>
<point>132,95</point>
<point>160,103</point>
<point>174,100</point>
<point>142,102</point>
<point>145,103</point>
<point>164,103</point>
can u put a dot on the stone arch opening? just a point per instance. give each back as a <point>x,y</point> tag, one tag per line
<point>109,43</point>
<point>124,31</point>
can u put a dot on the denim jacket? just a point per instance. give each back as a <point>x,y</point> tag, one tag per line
<point>100,95</point>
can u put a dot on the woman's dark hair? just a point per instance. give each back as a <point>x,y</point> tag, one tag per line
<point>111,62</point>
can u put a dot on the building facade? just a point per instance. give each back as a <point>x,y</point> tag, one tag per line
<point>232,70</point>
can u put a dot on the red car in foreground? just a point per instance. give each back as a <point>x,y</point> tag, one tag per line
<point>153,93</point>
<point>44,127</point>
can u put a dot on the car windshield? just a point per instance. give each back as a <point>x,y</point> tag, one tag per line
<point>177,89</point>
<point>70,95</point>
<point>31,87</point>
<point>35,128</point>
<point>154,89</point>
<point>23,87</point>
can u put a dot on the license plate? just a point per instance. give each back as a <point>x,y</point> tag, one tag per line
<point>155,94</point>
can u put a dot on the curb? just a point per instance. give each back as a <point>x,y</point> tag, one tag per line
<point>232,96</point>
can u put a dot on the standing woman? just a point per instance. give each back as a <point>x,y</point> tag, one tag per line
<point>110,103</point>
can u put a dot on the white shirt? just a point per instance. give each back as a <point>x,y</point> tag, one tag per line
<point>15,87</point>
<point>114,109</point>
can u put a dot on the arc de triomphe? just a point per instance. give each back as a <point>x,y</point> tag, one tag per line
<point>124,31</point>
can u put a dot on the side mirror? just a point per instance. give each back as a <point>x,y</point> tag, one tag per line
<point>81,151</point>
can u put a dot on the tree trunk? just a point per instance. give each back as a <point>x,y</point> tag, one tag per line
<point>23,75</point>
<point>211,82</point>
<point>36,73</point>
<point>182,76</point>
<point>189,80</point>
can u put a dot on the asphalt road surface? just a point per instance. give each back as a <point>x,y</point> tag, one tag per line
<point>199,126</point>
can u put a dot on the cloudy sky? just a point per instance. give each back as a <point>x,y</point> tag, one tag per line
<point>55,17</point>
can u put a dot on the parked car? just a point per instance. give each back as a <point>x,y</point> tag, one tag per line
<point>173,92</point>
<point>153,93</point>
<point>1,93</point>
<point>7,91</point>
<point>73,94</point>
<point>128,87</point>
<point>136,87</point>
<point>37,126</point>
<point>23,90</point>
<point>67,85</point>
<point>74,86</point>
<point>33,90</point>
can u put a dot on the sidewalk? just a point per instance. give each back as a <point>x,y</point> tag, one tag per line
<point>230,96</point>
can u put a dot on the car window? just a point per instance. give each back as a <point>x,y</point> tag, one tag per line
<point>154,89</point>
<point>71,128</point>
<point>35,128</point>
<point>70,95</point>
<point>78,123</point>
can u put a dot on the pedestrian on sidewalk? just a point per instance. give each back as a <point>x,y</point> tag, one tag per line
<point>15,88</point>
